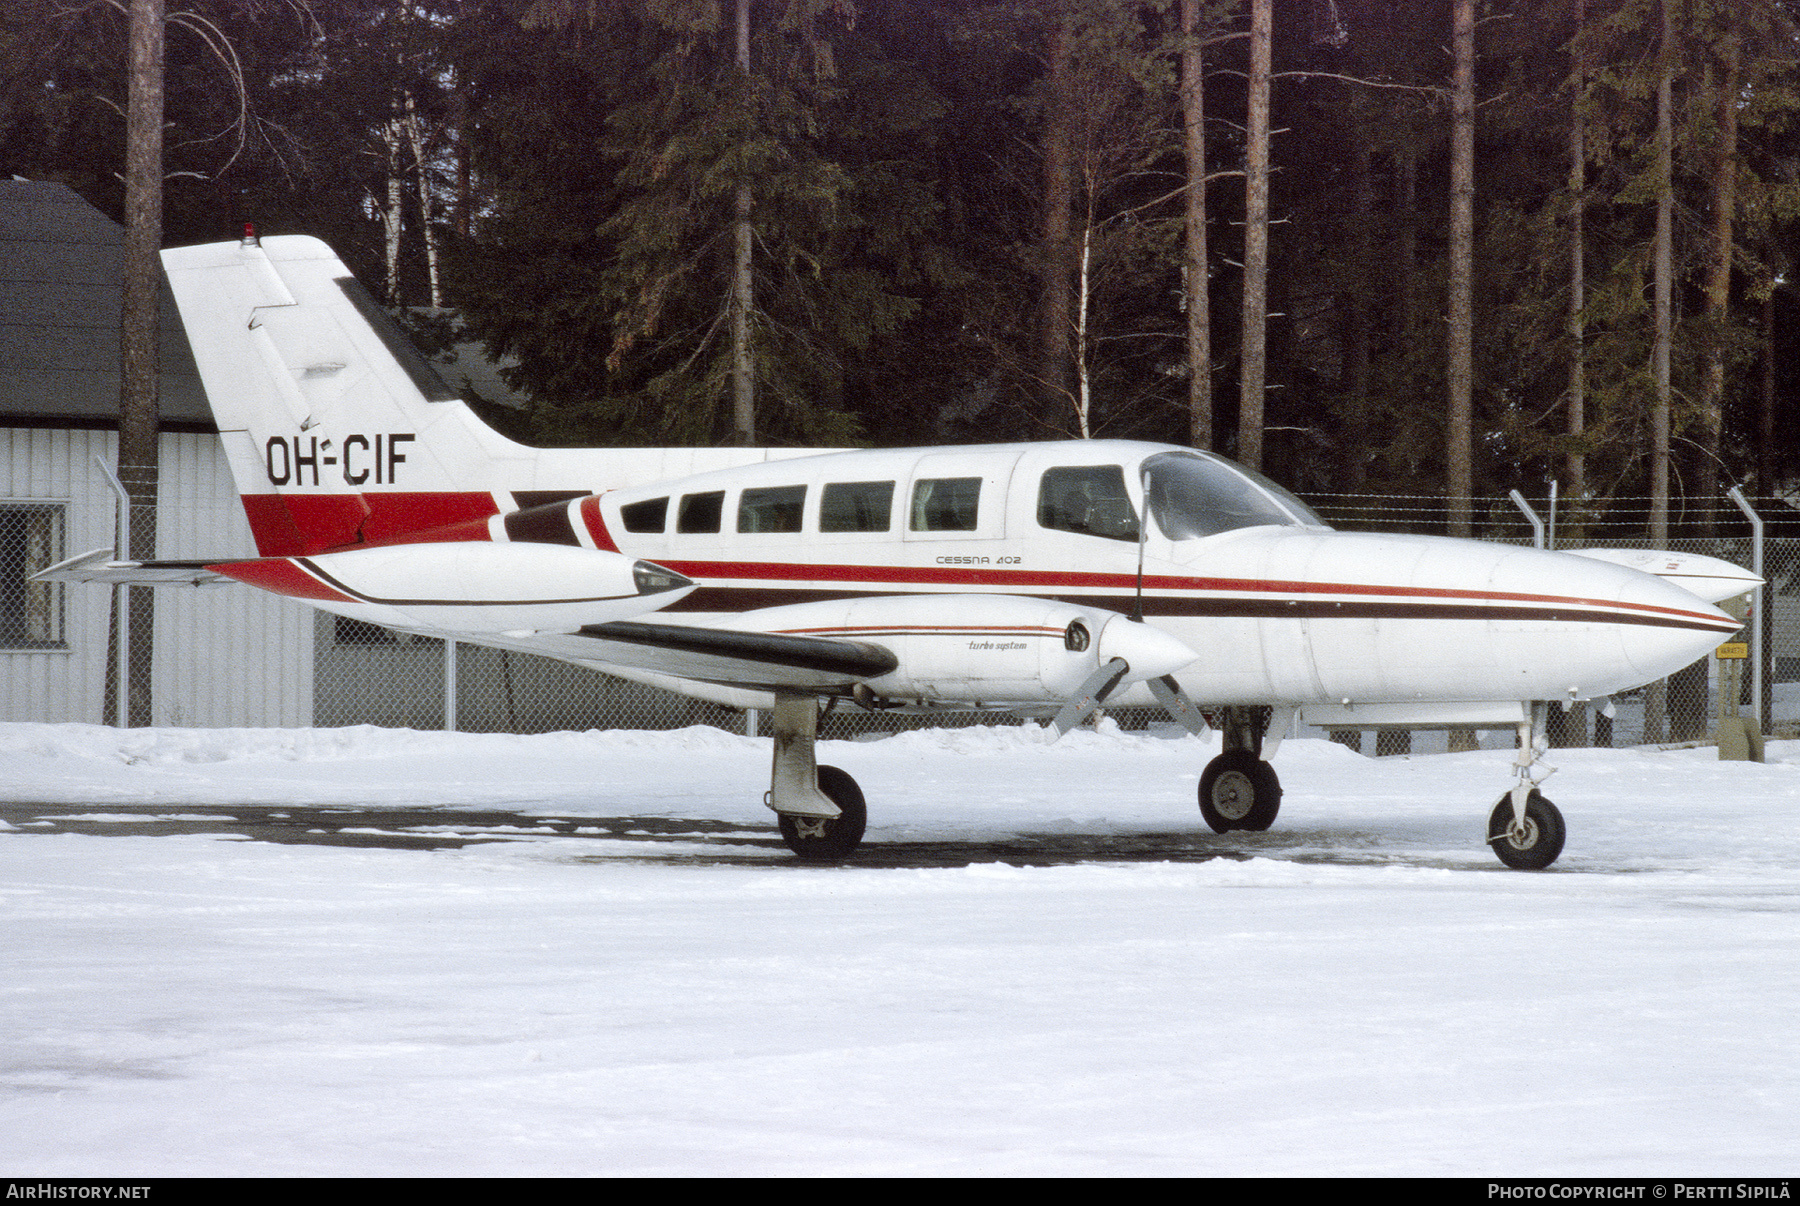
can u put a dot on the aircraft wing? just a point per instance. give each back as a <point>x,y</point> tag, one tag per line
<point>762,661</point>
<point>98,565</point>
<point>980,649</point>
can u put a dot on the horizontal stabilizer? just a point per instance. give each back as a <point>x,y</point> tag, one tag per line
<point>99,566</point>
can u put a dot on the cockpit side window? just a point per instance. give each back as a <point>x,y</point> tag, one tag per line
<point>1087,499</point>
<point>1192,495</point>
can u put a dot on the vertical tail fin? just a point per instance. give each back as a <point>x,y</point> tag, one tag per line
<point>338,431</point>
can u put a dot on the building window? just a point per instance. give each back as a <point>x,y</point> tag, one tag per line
<point>31,539</point>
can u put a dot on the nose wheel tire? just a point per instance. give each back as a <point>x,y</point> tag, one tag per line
<point>827,839</point>
<point>1534,844</point>
<point>1238,790</point>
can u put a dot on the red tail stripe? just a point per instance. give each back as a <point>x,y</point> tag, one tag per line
<point>290,525</point>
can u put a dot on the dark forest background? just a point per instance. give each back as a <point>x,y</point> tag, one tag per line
<point>967,220</point>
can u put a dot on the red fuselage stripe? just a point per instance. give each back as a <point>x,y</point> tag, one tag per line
<point>293,524</point>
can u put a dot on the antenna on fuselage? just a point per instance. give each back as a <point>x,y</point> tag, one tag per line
<point>1137,603</point>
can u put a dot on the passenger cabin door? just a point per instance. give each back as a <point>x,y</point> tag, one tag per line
<point>958,496</point>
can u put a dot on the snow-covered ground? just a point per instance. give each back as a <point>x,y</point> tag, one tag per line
<point>1361,990</point>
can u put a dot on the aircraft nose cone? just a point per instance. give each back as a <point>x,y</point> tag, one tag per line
<point>1150,652</point>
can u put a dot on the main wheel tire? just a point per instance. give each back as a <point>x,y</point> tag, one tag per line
<point>1238,790</point>
<point>827,839</point>
<point>1541,840</point>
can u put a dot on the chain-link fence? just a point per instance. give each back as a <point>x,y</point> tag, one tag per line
<point>288,665</point>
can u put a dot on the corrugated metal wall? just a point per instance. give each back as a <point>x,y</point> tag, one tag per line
<point>226,656</point>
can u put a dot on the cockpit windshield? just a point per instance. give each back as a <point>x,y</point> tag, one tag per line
<point>1193,494</point>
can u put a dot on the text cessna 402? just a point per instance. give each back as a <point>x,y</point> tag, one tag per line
<point>1021,577</point>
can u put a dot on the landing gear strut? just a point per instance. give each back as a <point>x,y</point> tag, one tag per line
<point>821,808</point>
<point>1239,789</point>
<point>1525,829</point>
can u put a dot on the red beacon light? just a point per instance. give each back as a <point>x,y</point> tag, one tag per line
<point>250,236</point>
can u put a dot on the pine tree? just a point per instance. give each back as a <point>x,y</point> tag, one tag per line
<point>619,159</point>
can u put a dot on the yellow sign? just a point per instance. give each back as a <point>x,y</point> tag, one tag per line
<point>1733,649</point>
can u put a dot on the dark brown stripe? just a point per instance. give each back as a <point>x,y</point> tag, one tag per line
<point>525,500</point>
<point>547,524</point>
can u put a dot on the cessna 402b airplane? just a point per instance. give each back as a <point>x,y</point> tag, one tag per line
<point>1044,579</point>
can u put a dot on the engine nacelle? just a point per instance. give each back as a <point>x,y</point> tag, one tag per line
<point>1006,649</point>
<point>470,586</point>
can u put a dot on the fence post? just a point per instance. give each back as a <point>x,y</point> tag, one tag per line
<point>449,686</point>
<point>1537,525</point>
<point>121,602</point>
<point>1736,495</point>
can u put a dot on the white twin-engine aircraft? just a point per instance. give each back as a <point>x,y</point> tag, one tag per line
<point>1022,577</point>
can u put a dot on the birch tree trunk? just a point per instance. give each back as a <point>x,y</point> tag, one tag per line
<point>415,141</point>
<point>391,224</point>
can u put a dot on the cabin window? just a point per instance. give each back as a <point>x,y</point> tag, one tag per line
<point>1088,499</point>
<point>647,516</point>
<point>31,539</point>
<point>771,509</point>
<point>856,507</point>
<point>700,512</point>
<point>945,504</point>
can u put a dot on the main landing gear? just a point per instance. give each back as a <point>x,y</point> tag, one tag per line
<point>821,808</point>
<point>1239,789</point>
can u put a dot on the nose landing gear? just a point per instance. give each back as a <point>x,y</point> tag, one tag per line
<point>1526,830</point>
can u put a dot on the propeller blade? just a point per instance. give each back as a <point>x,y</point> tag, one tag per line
<point>1090,694</point>
<point>1169,694</point>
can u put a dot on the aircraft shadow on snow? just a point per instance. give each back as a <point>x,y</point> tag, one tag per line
<point>732,843</point>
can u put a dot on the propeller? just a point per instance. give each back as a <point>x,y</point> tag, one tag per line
<point>1174,700</point>
<point>1091,694</point>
